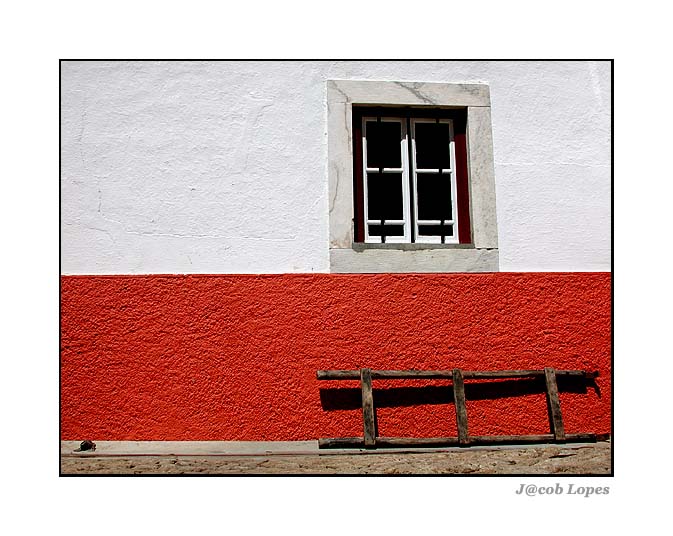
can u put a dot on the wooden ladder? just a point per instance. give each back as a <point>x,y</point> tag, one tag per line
<point>458,377</point>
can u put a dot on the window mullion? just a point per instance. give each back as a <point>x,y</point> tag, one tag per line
<point>406,194</point>
<point>413,176</point>
<point>411,181</point>
<point>454,182</point>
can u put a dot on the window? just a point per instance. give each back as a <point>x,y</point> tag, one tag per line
<point>427,209</point>
<point>410,170</point>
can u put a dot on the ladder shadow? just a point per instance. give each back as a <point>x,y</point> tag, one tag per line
<point>349,398</point>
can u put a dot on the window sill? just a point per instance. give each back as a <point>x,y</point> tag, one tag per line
<point>398,258</point>
<point>362,246</point>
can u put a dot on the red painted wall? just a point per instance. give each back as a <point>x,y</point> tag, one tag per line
<point>233,357</point>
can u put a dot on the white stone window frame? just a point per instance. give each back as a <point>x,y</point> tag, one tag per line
<point>347,256</point>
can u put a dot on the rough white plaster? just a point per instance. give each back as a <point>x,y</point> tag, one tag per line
<point>221,167</point>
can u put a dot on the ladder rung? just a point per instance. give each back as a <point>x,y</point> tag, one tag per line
<point>461,408</point>
<point>368,415</point>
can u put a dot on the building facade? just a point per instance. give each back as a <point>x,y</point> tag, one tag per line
<point>230,228</point>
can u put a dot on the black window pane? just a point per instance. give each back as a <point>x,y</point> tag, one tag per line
<point>435,230</point>
<point>386,230</point>
<point>384,194</point>
<point>432,146</point>
<point>434,196</point>
<point>383,144</point>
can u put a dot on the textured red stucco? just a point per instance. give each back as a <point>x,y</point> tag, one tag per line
<point>233,357</point>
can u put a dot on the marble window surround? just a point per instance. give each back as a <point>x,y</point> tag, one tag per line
<point>349,257</point>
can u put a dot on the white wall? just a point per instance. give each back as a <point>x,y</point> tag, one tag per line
<point>220,167</point>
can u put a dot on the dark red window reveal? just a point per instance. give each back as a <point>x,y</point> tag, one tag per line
<point>410,145</point>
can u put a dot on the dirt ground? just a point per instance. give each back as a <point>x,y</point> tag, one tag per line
<point>593,459</point>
